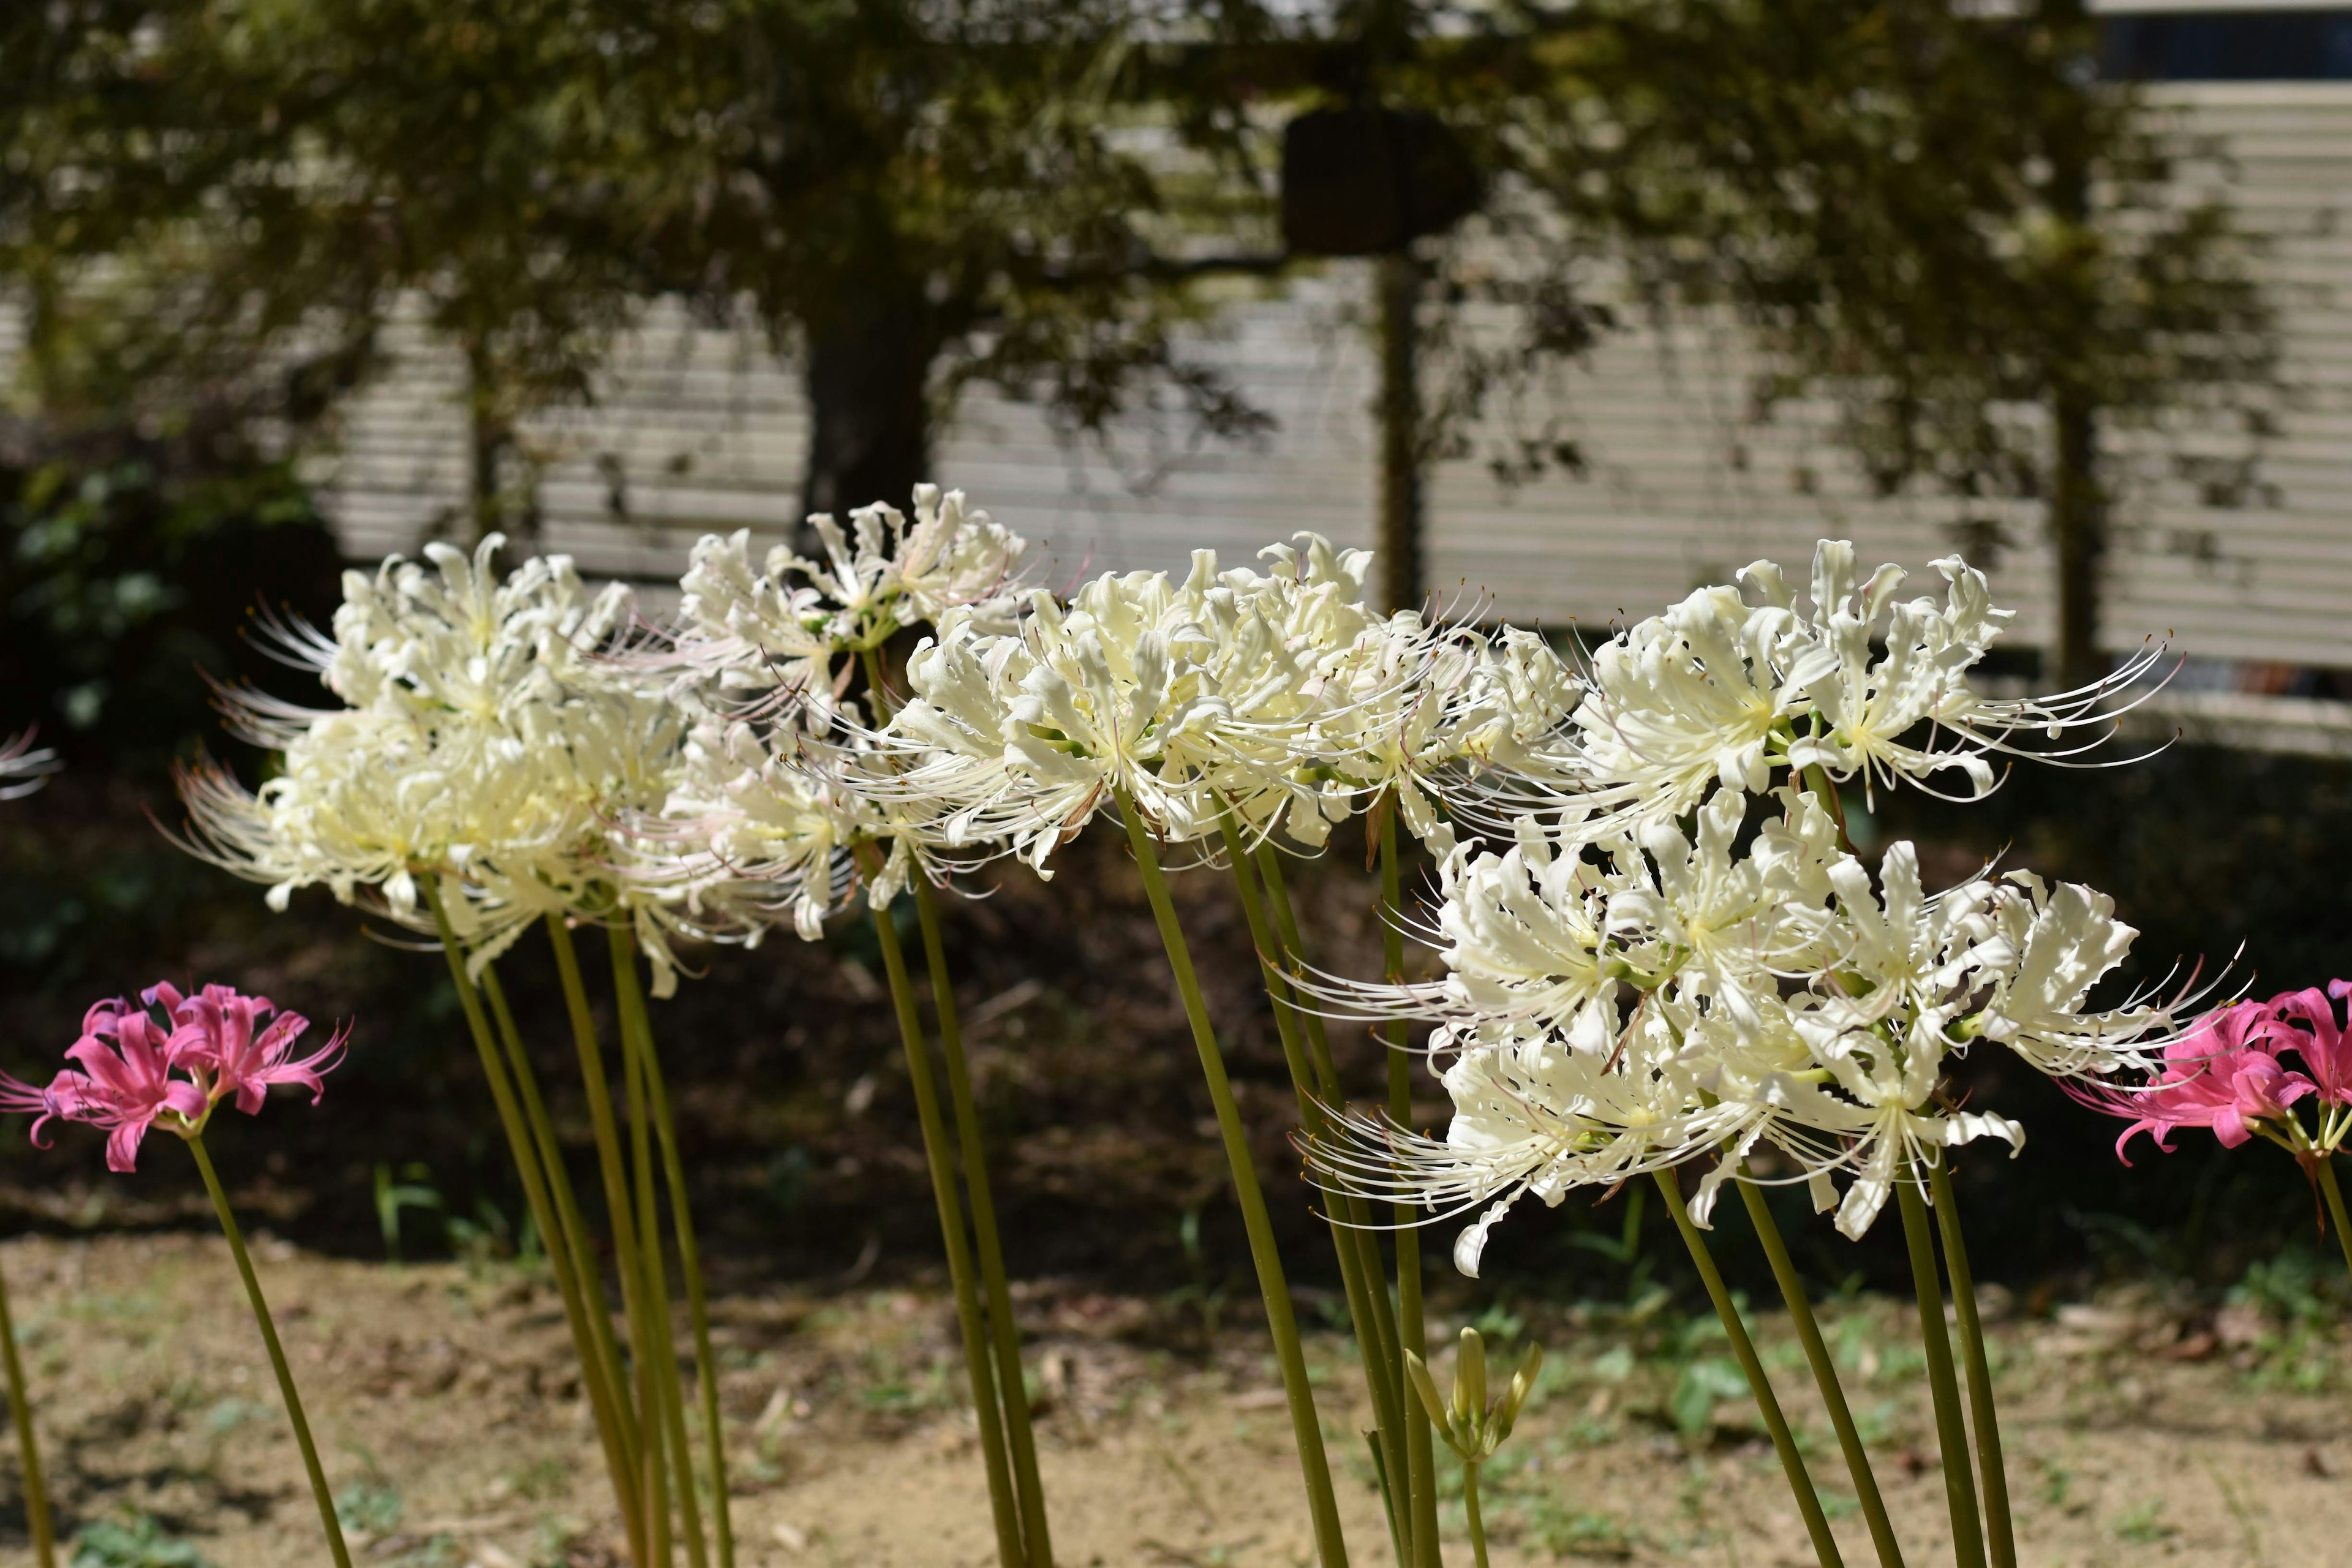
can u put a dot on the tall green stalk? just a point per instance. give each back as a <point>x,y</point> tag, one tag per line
<point>1410,1325</point>
<point>637,1048</point>
<point>1784,1443</point>
<point>29,1452</point>
<point>1327,1075</point>
<point>1817,1354</point>
<point>2335,1194</point>
<point>1306,1430</point>
<point>1992,1473</point>
<point>618,1207</point>
<point>1002,1349</point>
<point>1000,1497</point>
<point>1020,1438</point>
<point>1347,1240</point>
<point>634,1018</point>
<point>1951,1427</point>
<point>286,1389</point>
<point>601,1359</point>
<point>527,1167</point>
<point>690,1262</point>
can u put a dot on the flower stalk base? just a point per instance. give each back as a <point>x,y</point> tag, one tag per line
<point>286,1388</point>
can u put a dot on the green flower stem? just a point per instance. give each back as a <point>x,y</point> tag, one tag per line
<point>656,1347</point>
<point>527,1166</point>
<point>976,1358</point>
<point>1817,1352</point>
<point>1801,1483</point>
<point>1477,1522</point>
<point>286,1388</point>
<point>1306,1430</point>
<point>602,1123</point>
<point>29,1452</point>
<point>1021,1440</point>
<point>636,1045</point>
<point>698,1309</point>
<point>1397,1543</point>
<point>644,1430</point>
<point>2001,1535</point>
<point>1358,1213</point>
<point>601,1359</point>
<point>1951,1427</point>
<point>1009,1447</point>
<point>634,1017</point>
<point>1345,1240</point>
<point>2334,1193</point>
<point>1411,1329</point>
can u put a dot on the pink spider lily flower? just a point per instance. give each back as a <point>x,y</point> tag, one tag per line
<point>133,1072</point>
<point>2223,1074</point>
<point>126,1081</point>
<point>236,1039</point>
<point>2306,1025</point>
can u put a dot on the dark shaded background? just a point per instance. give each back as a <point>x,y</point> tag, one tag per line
<point>131,565</point>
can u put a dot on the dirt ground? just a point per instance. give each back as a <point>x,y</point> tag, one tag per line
<point>455,1436</point>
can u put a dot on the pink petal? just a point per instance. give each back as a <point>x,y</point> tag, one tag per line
<point>186,1099</point>
<point>123,1147</point>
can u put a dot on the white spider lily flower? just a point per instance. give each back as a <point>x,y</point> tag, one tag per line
<point>1918,977</point>
<point>1692,944</point>
<point>751,630</point>
<point>365,803</point>
<point>458,637</point>
<point>1717,692</point>
<point>487,746</point>
<point>1699,696</point>
<point>1728,923</point>
<point>1543,1111</point>
<point>1534,934</point>
<point>754,831</point>
<point>1867,702</point>
<point>23,767</point>
<point>1023,738</point>
<point>2066,940</point>
<point>795,627</point>
<point>886,575</point>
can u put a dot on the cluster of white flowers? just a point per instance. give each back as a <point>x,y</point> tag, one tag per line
<point>484,744</point>
<point>1719,691</point>
<point>776,787</point>
<point>1682,960</point>
<point>1272,697</point>
<point>1660,950</point>
<point>798,626</point>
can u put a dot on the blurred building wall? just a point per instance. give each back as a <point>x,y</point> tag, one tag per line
<point>697,429</point>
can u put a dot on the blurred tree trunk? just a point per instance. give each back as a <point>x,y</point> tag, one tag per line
<point>2078,505</point>
<point>868,380</point>
<point>1397,281</point>
<point>496,502</point>
<point>2078,502</point>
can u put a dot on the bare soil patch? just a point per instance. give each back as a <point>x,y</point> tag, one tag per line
<point>455,1432</point>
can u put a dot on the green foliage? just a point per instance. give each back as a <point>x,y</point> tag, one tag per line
<point>413,1190</point>
<point>2143,1525</point>
<point>2299,1294</point>
<point>371,1507</point>
<point>139,1541</point>
<point>127,569</point>
<point>1698,1388</point>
